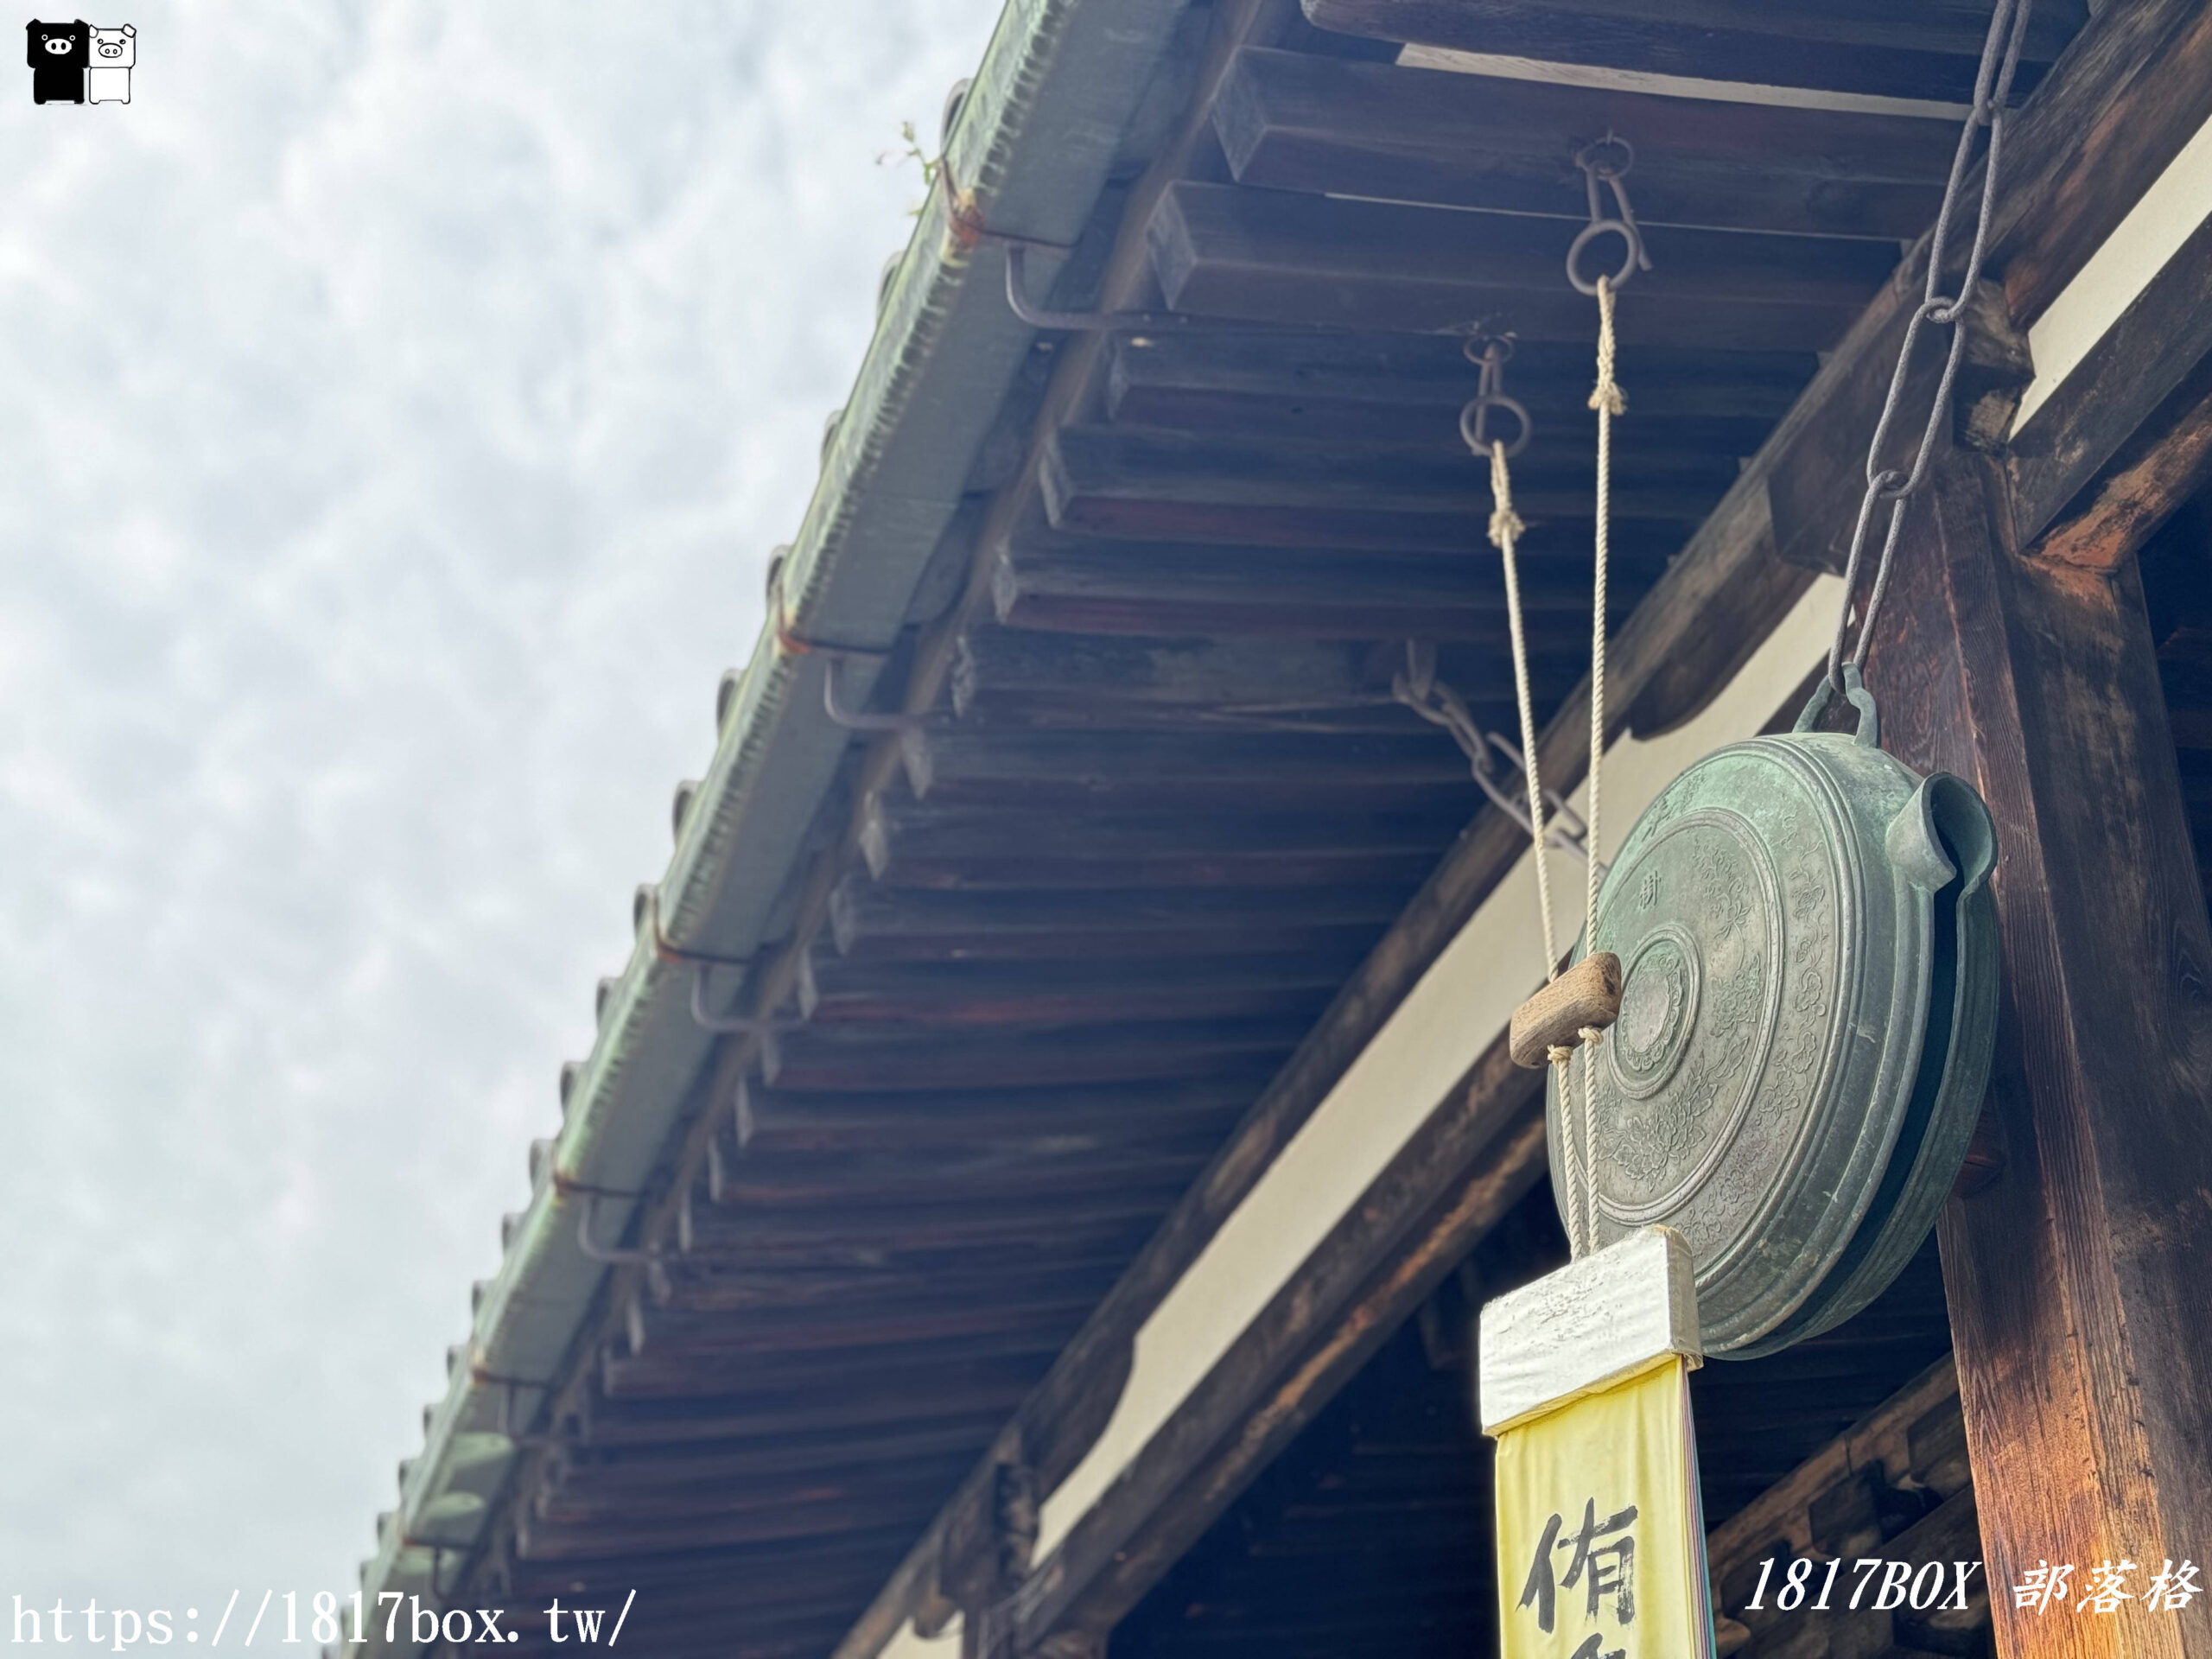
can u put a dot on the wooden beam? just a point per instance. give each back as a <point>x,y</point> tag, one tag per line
<point>843,1057</point>
<point>1093,586</point>
<point>1431,375</point>
<point>1867,46</point>
<point>697,1286</point>
<point>1817,481</point>
<point>1001,672</point>
<point>679,1331</point>
<point>2134,86</point>
<point>643,1471</point>
<point>1015,1120</point>
<point>2075,1276</point>
<point>1272,255</point>
<point>980,997</point>
<point>675,1575</point>
<point>1907,1439</point>
<point>1114,481</point>
<point>923,844</point>
<point>889,925</point>
<point>1564,421</point>
<point>2163,464</point>
<point>2123,441</point>
<point>1240,769</point>
<point>1292,121</point>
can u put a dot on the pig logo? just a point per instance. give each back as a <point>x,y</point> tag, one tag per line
<point>77,62</point>
<point>59,55</point>
<point>107,78</point>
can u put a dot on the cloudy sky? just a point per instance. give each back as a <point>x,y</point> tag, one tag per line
<point>397,401</point>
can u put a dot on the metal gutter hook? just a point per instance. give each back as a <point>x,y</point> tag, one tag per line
<point>1109,322</point>
<point>857,720</point>
<point>508,1386</point>
<point>652,1258</point>
<point>724,1025</point>
<point>1074,323</point>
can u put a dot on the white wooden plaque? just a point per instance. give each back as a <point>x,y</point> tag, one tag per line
<point>1589,1325</point>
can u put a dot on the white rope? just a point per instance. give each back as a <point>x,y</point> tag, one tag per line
<point>1505,528</point>
<point>1608,400</point>
<point>1577,1121</point>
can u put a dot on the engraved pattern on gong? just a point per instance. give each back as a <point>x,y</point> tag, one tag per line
<point>1745,1185</point>
<point>1658,1007</point>
<point>1700,946</point>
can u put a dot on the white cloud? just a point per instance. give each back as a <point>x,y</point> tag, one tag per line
<point>397,401</point>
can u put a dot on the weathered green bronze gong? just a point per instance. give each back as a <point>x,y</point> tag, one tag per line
<point>1808,954</point>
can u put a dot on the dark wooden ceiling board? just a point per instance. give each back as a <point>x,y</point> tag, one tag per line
<point>1003,669</point>
<point>1069,1165</point>
<point>1563,420</point>
<point>1434,372</point>
<point>847,1058</point>
<point>1280,561</point>
<point>1075,926</point>
<point>857,1293</point>
<point>698,1463</point>
<point>886,1119</point>
<point>680,1576</point>
<point>1093,468</point>
<point>1233,767</point>
<point>1277,256</point>
<point>704,1336</point>
<point>1295,123</point>
<point>984,996</point>
<point>1091,586</point>
<point>1878,47</point>
<point>958,835</point>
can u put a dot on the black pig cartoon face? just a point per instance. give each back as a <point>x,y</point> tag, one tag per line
<point>56,41</point>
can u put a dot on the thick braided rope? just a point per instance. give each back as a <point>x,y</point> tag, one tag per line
<point>1582,1181</point>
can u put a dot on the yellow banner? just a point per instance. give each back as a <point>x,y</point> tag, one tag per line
<point>1600,1530</point>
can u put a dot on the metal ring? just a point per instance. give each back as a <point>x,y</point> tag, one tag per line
<point>1474,423</point>
<point>1598,227</point>
<point>1587,158</point>
<point>1476,348</point>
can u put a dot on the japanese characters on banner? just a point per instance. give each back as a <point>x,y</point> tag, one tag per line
<point>1601,1535</point>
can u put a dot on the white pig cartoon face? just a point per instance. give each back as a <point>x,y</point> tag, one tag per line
<point>115,48</point>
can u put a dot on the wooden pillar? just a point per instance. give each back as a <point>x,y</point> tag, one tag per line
<point>2080,1278</point>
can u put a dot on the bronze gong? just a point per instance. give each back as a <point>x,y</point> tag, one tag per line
<point>1808,956</point>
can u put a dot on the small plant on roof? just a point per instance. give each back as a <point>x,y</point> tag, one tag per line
<point>911,150</point>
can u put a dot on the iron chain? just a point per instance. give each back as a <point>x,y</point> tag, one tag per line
<point>2000,56</point>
